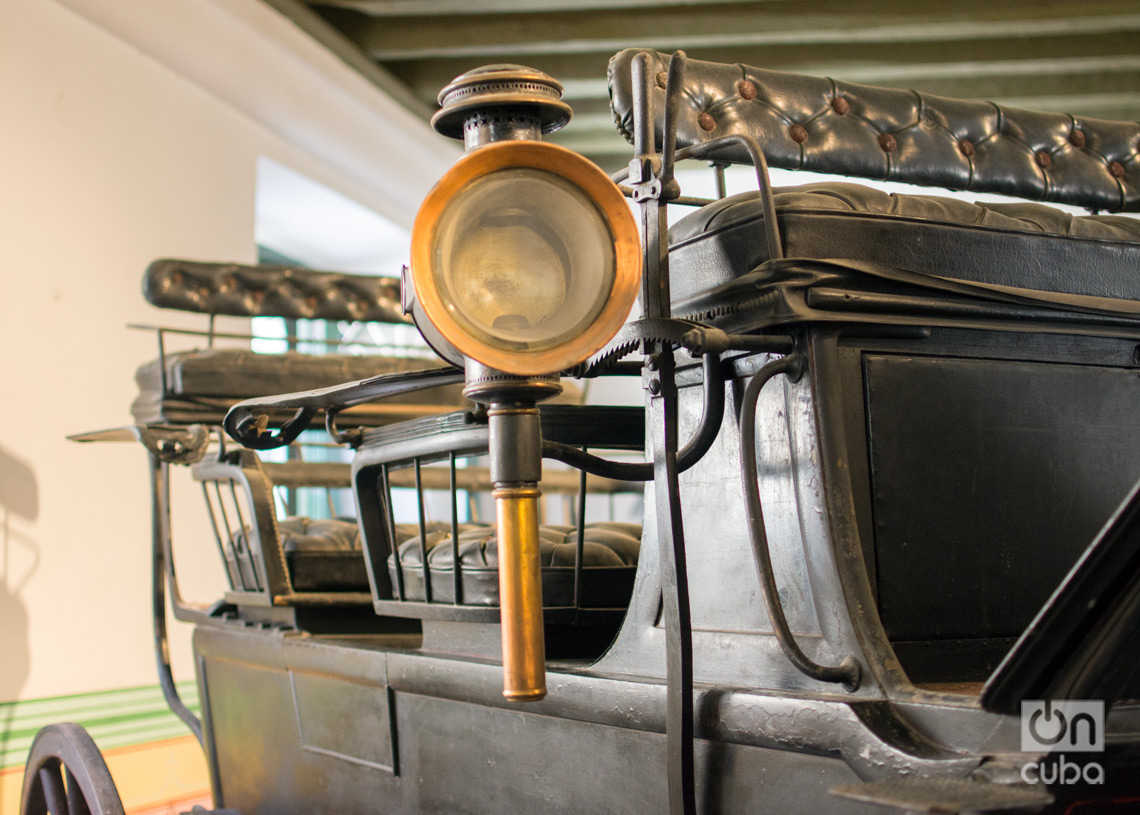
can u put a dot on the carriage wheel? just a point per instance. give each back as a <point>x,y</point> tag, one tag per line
<point>66,775</point>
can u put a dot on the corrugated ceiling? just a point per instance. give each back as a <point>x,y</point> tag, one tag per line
<point>1082,58</point>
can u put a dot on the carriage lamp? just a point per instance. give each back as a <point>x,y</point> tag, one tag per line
<point>525,259</point>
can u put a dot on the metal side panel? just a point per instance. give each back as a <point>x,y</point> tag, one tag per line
<point>293,741</point>
<point>304,725</point>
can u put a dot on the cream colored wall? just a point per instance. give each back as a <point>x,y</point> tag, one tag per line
<point>108,159</point>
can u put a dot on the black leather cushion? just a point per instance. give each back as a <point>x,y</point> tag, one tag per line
<point>323,555</point>
<point>201,385</point>
<point>609,562</point>
<point>299,534</point>
<point>828,126</point>
<point>1029,246</point>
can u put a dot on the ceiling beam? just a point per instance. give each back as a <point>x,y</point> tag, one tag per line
<point>584,76</point>
<point>440,8</point>
<point>779,22</point>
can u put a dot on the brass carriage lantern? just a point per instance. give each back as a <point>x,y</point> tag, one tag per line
<point>525,260</point>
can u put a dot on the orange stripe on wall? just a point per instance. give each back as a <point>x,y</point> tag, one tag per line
<point>174,807</point>
<point>160,777</point>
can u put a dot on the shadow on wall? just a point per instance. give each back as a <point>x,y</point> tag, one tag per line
<point>19,559</point>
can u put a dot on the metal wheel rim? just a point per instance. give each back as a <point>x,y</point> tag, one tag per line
<point>67,751</point>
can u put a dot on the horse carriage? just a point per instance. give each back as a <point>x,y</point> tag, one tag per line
<point>887,460</point>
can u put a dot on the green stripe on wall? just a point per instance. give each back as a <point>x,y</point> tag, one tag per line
<point>114,718</point>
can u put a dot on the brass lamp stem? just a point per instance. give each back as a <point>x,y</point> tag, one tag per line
<point>516,468</point>
<point>520,593</point>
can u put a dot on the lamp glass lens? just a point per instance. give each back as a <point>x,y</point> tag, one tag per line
<point>523,259</point>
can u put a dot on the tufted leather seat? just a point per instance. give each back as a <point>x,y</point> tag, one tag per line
<point>201,385</point>
<point>321,555</point>
<point>827,126</point>
<point>1023,246</point>
<point>609,561</point>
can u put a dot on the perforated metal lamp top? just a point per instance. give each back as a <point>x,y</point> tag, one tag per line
<point>501,86</point>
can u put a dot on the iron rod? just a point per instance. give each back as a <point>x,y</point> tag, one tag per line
<point>230,560</point>
<point>456,568</point>
<point>230,533</point>
<point>160,538</point>
<point>423,532</point>
<point>391,516</point>
<point>579,549</point>
<point>847,671</point>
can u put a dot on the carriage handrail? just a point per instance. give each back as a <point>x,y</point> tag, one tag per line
<point>247,421</point>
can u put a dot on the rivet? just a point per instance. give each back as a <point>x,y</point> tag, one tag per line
<point>662,79</point>
<point>176,278</point>
<point>229,282</point>
<point>1077,138</point>
<point>840,105</point>
<point>746,89</point>
<point>1117,169</point>
<point>204,292</point>
<point>798,133</point>
<point>966,147</point>
<point>888,143</point>
<point>311,301</point>
<point>1043,159</point>
<point>706,121</point>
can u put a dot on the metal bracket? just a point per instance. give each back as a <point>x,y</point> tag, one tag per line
<point>647,191</point>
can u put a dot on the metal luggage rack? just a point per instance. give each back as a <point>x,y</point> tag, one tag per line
<point>431,454</point>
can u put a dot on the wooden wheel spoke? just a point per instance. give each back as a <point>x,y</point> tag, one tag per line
<point>76,800</point>
<point>51,779</point>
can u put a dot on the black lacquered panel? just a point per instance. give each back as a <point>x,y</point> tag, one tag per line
<point>989,479</point>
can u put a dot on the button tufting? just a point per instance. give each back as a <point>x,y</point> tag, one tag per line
<point>706,121</point>
<point>1000,149</point>
<point>1117,169</point>
<point>662,79</point>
